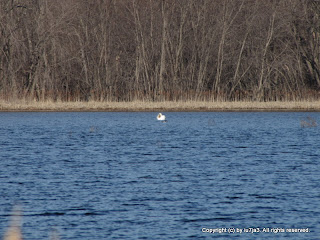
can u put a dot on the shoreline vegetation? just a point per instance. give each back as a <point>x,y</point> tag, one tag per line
<point>148,106</point>
<point>160,51</point>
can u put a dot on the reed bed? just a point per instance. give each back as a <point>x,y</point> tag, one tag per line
<point>14,230</point>
<point>159,106</point>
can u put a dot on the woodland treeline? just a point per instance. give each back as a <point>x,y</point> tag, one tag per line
<point>123,50</point>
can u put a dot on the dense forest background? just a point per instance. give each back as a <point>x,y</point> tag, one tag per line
<point>124,50</point>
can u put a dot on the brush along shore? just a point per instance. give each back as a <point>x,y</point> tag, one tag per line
<point>159,106</point>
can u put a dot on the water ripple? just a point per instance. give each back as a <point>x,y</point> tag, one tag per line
<point>128,176</point>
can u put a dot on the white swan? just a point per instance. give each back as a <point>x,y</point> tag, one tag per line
<point>161,117</point>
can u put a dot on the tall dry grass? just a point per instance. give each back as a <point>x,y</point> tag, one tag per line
<point>23,105</point>
<point>14,229</point>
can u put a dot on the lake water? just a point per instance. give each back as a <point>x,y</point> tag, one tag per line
<point>128,176</point>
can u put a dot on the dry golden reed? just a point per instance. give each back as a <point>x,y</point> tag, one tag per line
<point>157,106</point>
<point>14,229</point>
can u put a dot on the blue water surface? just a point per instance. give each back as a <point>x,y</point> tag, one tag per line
<point>105,175</point>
